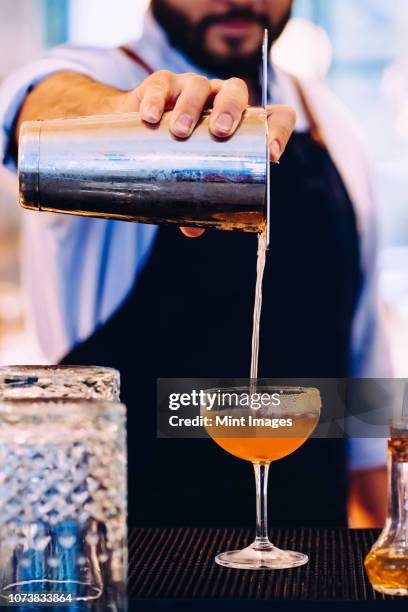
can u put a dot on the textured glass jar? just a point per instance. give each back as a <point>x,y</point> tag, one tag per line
<point>63,497</point>
<point>387,562</point>
<point>59,381</point>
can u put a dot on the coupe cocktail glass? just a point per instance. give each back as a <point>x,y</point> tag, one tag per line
<point>262,440</point>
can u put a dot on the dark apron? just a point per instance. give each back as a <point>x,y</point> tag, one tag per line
<point>190,315</point>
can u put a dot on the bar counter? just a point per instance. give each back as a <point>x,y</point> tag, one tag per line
<point>174,568</point>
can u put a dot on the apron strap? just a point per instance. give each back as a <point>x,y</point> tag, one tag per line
<point>134,57</point>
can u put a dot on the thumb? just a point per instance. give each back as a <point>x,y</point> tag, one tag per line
<point>281,123</point>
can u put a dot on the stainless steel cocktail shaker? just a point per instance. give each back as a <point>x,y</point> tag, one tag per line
<point>118,167</point>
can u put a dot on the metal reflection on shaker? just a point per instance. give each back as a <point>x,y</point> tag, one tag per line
<point>118,167</point>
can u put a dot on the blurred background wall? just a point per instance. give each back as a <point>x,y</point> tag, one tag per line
<point>360,48</point>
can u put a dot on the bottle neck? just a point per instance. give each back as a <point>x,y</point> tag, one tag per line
<point>398,482</point>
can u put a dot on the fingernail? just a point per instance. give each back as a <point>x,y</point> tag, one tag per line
<point>151,113</point>
<point>184,124</point>
<point>224,122</point>
<point>275,150</point>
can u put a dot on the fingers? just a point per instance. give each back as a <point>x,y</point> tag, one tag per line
<point>229,104</point>
<point>188,95</point>
<point>156,93</point>
<point>281,123</point>
<point>190,105</point>
<point>230,99</point>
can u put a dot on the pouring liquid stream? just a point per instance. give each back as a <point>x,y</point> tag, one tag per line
<point>260,268</point>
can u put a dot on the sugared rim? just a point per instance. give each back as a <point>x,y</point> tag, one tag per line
<point>291,390</point>
<point>292,398</point>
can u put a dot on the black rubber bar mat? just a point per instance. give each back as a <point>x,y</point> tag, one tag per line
<point>178,564</point>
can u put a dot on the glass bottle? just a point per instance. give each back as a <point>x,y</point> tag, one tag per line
<point>387,562</point>
<point>63,502</point>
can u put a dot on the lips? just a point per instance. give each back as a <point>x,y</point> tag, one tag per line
<point>237,24</point>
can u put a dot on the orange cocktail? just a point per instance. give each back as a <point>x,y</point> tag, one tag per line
<point>261,444</point>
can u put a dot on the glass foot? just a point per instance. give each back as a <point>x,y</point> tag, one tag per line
<point>400,591</point>
<point>255,558</point>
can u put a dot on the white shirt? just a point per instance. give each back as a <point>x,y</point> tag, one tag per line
<point>77,271</point>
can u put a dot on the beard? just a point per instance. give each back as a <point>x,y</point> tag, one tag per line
<point>190,39</point>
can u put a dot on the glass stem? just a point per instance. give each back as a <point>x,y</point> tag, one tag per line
<point>261,480</point>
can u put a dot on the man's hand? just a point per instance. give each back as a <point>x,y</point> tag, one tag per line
<point>68,94</point>
<point>187,95</point>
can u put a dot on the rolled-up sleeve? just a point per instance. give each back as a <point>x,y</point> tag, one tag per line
<point>71,285</point>
<point>99,64</point>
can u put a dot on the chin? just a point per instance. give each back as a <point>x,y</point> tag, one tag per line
<point>223,48</point>
<point>228,42</point>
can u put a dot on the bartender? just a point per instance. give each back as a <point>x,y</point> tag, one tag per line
<point>152,303</point>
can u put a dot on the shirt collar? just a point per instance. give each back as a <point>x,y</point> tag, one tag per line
<point>156,49</point>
